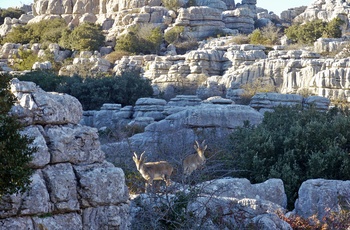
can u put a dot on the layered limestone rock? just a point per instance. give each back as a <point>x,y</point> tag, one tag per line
<point>183,126</point>
<point>223,203</point>
<point>327,10</point>
<point>321,197</point>
<point>72,186</point>
<point>86,64</point>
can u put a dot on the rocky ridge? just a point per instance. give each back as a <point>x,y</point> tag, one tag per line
<point>70,169</point>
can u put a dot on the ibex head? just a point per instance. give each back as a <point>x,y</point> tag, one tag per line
<point>160,170</point>
<point>194,161</point>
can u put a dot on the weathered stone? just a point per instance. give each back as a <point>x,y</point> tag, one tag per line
<point>42,156</point>
<point>101,185</point>
<point>17,223</point>
<point>271,100</point>
<point>271,190</point>
<point>320,197</point>
<point>61,184</point>
<point>36,106</point>
<point>68,221</point>
<point>37,200</point>
<point>74,143</point>
<point>110,217</point>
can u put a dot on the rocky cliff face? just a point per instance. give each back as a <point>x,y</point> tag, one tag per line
<point>72,187</point>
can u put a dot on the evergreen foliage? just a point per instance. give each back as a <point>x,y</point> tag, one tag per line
<point>45,31</point>
<point>145,39</point>
<point>86,36</point>
<point>294,145</point>
<point>94,92</point>
<point>11,13</point>
<point>311,31</point>
<point>15,150</point>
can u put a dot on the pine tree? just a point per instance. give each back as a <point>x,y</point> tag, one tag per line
<point>15,149</point>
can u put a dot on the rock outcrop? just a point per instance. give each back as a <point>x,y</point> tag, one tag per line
<point>322,197</point>
<point>220,204</point>
<point>72,187</point>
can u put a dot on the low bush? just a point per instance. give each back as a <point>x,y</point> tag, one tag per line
<point>144,39</point>
<point>311,31</point>
<point>11,13</point>
<point>293,145</point>
<point>94,92</point>
<point>173,35</point>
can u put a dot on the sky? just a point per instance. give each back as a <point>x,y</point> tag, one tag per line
<point>277,6</point>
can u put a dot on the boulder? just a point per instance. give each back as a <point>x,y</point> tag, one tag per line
<point>321,197</point>
<point>36,106</point>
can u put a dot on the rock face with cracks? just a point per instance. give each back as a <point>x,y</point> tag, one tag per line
<point>72,186</point>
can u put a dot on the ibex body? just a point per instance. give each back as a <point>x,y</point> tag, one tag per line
<point>150,171</point>
<point>194,161</point>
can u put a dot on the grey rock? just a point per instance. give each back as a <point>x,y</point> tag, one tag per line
<point>68,221</point>
<point>36,106</point>
<point>42,156</point>
<point>17,223</point>
<point>271,190</point>
<point>110,217</point>
<point>36,200</point>
<point>101,185</point>
<point>320,197</point>
<point>74,143</point>
<point>61,184</point>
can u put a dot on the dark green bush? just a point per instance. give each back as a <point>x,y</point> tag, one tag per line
<point>25,61</point>
<point>86,36</point>
<point>145,39</point>
<point>94,92</point>
<point>10,12</point>
<point>15,150</point>
<point>173,35</point>
<point>45,31</point>
<point>311,31</point>
<point>294,145</point>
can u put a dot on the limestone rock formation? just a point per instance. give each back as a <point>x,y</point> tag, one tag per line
<point>223,203</point>
<point>183,126</point>
<point>320,197</point>
<point>72,187</point>
<point>327,10</point>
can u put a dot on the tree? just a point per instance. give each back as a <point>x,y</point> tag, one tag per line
<point>15,150</point>
<point>86,36</point>
<point>294,145</point>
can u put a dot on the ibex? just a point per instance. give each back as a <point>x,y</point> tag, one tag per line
<point>160,170</point>
<point>194,161</point>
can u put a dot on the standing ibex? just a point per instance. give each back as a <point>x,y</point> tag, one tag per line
<point>160,170</point>
<point>194,161</point>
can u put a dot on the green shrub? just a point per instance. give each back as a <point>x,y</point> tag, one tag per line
<point>268,35</point>
<point>94,92</point>
<point>18,34</point>
<point>294,145</point>
<point>25,61</point>
<point>116,55</point>
<point>144,39</point>
<point>10,12</point>
<point>86,36</point>
<point>171,4</point>
<point>45,31</point>
<point>15,152</point>
<point>311,31</point>
<point>173,35</point>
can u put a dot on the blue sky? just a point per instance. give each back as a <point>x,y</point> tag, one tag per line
<point>272,5</point>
